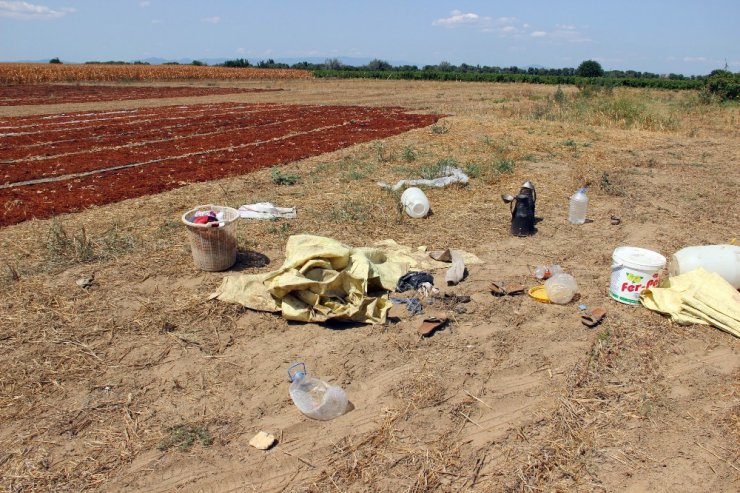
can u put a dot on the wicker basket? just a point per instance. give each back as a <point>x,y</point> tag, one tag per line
<point>214,248</point>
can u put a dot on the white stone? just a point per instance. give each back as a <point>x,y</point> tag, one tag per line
<point>262,441</point>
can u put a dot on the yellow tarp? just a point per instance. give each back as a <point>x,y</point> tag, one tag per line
<point>323,279</point>
<point>697,297</point>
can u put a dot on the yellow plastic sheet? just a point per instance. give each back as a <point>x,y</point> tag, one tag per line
<point>323,279</point>
<point>697,297</point>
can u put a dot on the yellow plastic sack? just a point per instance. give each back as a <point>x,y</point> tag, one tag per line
<point>697,297</point>
<point>323,279</point>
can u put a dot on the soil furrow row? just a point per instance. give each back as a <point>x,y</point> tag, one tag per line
<point>44,200</point>
<point>106,158</point>
<point>149,130</point>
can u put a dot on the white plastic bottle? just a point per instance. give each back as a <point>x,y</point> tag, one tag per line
<point>313,397</point>
<point>415,202</point>
<point>578,206</point>
<point>722,259</point>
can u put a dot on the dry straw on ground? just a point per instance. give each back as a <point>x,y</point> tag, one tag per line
<point>513,395</point>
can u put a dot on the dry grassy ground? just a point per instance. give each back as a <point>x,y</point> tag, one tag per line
<point>140,384</point>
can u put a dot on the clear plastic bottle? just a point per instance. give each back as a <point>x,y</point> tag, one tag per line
<point>561,288</point>
<point>545,272</point>
<point>313,397</point>
<point>578,206</point>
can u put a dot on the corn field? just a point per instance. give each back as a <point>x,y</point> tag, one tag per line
<point>34,73</point>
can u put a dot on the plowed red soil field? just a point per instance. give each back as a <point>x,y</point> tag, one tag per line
<point>53,164</point>
<point>17,95</point>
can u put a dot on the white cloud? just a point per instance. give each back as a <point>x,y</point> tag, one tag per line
<point>212,20</point>
<point>145,3</point>
<point>562,33</point>
<point>503,26</point>
<point>241,51</point>
<point>692,59</point>
<point>156,21</point>
<point>25,10</point>
<point>458,18</point>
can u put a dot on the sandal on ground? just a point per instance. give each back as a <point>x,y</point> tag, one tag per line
<point>432,323</point>
<point>501,289</point>
<point>593,317</point>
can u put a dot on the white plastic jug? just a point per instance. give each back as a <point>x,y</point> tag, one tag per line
<point>578,206</point>
<point>415,202</point>
<point>722,259</point>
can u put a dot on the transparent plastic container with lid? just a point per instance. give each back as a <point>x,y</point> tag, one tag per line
<point>314,397</point>
<point>561,288</point>
<point>578,206</point>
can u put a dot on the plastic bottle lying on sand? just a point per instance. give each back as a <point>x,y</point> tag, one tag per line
<point>314,397</point>
<point>561,288</point>
<point>545,272</point>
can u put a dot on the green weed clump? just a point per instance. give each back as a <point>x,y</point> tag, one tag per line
<point>63,248</point>
<point>436,170</point>
<point>351,211</point>
<point>440,128</point>
<point>184,436</point>
<point>601,106</point>
<point>490,170</point>
<point>280,178</point>
<point>354,169</point>
<point>608,185</point>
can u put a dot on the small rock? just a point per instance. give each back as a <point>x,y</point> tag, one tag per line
<point>399,311</point>
<point>262,441</point>
<point>85,282</point>
<point>616,220</point>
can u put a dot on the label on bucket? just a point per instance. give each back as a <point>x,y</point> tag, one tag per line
<point>627,284</point>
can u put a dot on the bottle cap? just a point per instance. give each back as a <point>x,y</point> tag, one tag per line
<point>293,375</point>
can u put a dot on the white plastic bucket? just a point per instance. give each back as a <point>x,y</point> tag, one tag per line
<point>722,259</point>
<point>415,202</point>
<point>634,270</point>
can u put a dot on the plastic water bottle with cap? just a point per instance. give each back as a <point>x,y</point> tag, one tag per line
<point>578,206</point>
<point>314,397</point>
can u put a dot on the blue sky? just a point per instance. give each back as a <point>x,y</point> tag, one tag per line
<point>679,36</point>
